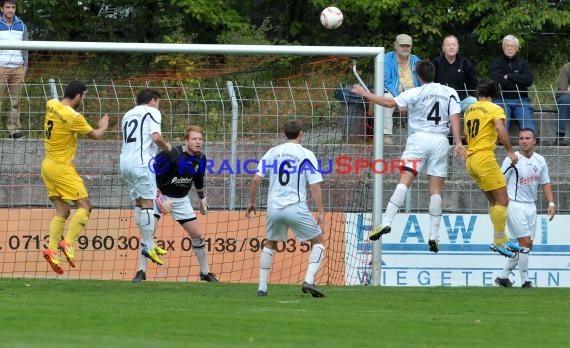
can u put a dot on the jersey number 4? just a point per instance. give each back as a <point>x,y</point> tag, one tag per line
<point>434,114</point>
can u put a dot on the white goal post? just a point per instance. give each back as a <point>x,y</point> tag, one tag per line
<point>376,52</point>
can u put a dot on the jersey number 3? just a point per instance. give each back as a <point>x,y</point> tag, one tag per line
<point>49,129</point>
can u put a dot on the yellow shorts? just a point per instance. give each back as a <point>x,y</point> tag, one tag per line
<point>62,181</point>
<point>485,170</point>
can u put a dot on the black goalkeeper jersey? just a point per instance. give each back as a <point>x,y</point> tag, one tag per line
<point>175,177</point>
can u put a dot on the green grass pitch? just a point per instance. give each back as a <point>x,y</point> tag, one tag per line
<point>74,313</point>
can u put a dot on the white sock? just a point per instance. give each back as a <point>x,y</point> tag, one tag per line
<point>142,261</point>
<point>523,267</point>
<point>145,222</point>
<point>396,201</point>
<point>509,266</point>
<point>315,258</point>
<point>435,211</point>
<point>200,251</point>
<point>265,267</point>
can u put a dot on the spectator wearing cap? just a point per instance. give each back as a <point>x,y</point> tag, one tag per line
<point>399,75</point>
<point>13,64</point>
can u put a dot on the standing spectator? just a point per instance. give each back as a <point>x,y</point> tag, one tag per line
<point>513,75</point>
<point>433,107</point>
<point>484,125</point>
<point>64,185</point>
<point>563,102</point>
<point>13,64</point>
<point>177,171</point>
<point>290,168</point>
<point>456,71</point>
<point>399,75</point>
<point>522,184</point>
<point>141,131</point>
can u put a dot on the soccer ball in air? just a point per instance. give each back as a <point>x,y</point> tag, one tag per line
<point>331,17</point>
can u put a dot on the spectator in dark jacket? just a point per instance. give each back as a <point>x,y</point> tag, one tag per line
<point>456,71</point>
<point>513,75</point>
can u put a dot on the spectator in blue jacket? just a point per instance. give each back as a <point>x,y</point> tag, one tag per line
<point>399,75</point>
<point>13,64</point>
<point>513,75</point>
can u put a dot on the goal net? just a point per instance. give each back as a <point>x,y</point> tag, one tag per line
<point>241,100</point>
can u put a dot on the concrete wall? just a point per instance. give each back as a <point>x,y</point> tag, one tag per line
<point>97,162</point>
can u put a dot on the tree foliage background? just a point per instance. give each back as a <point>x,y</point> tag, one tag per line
<point>542,26</point>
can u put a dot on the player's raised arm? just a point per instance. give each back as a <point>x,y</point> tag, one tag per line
<point>97,133</point>
<point>376,99</point>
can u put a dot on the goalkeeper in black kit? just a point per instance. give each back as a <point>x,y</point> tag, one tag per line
<point>176,171</point>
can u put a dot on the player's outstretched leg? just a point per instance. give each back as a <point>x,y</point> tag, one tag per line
<point>502,250</point>
<point>151,254</point>
<point>68,251</point>
<point>514,246</point>
<point>53,261</point>
<point>379,231</point>
<point>159,251</point>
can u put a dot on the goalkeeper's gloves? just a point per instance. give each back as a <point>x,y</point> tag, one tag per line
<point>164,204</point>
<point>203,206</point>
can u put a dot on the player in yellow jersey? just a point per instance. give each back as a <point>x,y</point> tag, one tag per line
<point>62,125</point>
<point>484,124</point>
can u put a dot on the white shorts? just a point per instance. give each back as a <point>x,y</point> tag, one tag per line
<point>181,209</point>
<point>521,219</point>
<point>298,217</point>
<point>140,181</point>
<point>433,151</point>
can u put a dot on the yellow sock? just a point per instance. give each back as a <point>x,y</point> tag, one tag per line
<point>55,231</point>
<point>498,215</point>
<point>78,221</point>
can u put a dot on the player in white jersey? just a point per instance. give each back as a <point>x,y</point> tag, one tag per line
<point>290,167</point>
<point>141,133</point>
<point>431,109</point>
<point>522,185</point>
